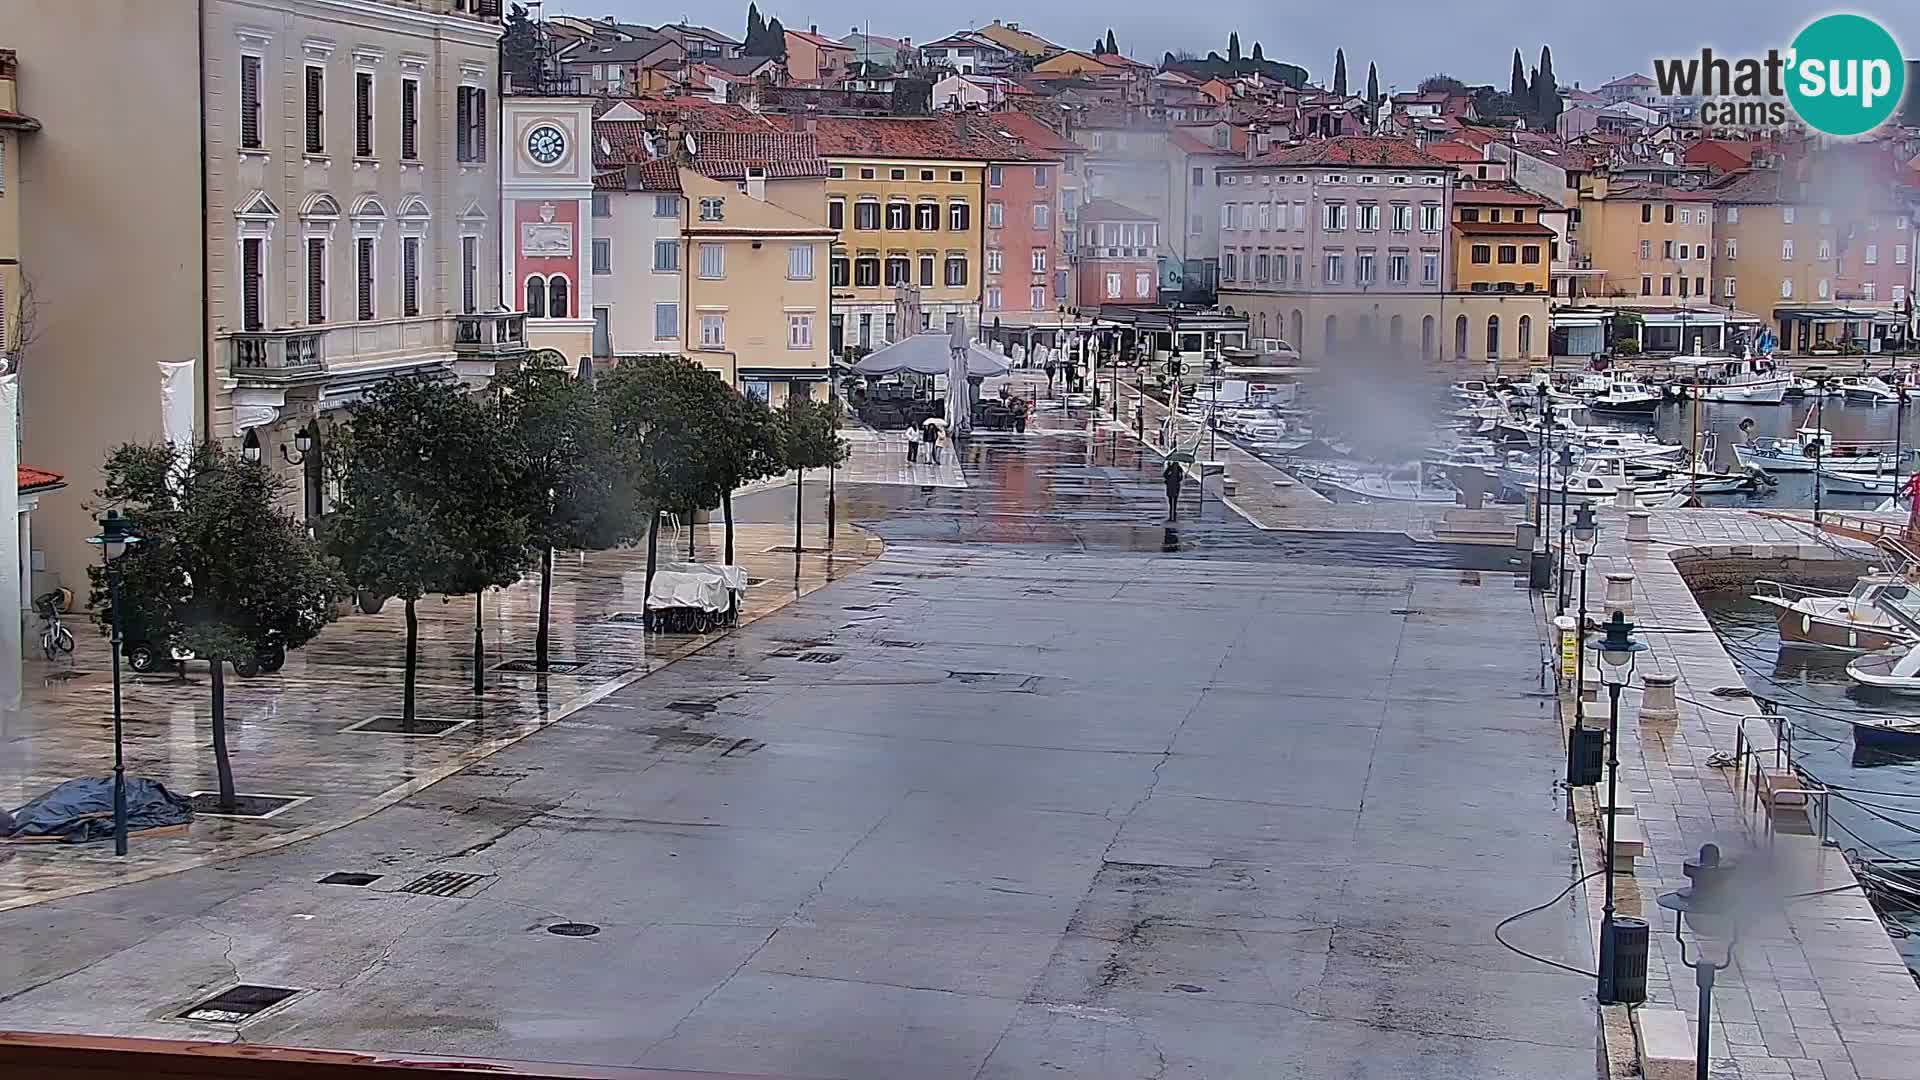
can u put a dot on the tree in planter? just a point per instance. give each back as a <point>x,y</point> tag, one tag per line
<point>808,434</point>
<point>220,569</point>
<point>570,483</point>
<point>427,502</point>
<point>659,431</point>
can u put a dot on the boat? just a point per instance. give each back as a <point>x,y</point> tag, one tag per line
<point>1868,390</point>
<point>1838,482</point>
<point>1401,485</point>
<point>1747,381</point>
<point>1625,396</point>
<point>1895,670</point>
<point>1793,455</point>
<point>1898,736</point>
<point>1853,621</point>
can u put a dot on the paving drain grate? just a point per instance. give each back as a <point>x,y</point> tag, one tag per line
<point>756,581</point>
<point>573,929</point>
<point>420,727</point>
<point>627,618</point>
<point>238,1005</point>
<point>692,708</point>
<point>528,666</point>
<point>995,680</point>
<point>442,883</point>
<point>1405,611</point>
<point>207,804</point>
<point>357,880</point>
<point>818,658</point>
<point>890,643</point>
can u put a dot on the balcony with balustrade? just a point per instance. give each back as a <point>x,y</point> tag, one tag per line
<point>492,336</point>
<point>278,357</point>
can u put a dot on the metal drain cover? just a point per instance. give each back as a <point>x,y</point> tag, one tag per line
<point>443,883</point>
<point>627,618</point>
<point>573,929</point>
<point>527,665</point>
<point>995,680</point>
<point>358,880</point>
<point>207,804</point>
<point>818,658</point>
<point>238,1005</point>
<point>420,727</point>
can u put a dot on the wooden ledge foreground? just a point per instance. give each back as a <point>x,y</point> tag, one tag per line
<point>95,1057</point>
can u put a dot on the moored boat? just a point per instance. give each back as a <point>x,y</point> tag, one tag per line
<point>1847,622</point>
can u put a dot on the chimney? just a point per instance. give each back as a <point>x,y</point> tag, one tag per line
<point>756,183</point>
<point>813,28</point>
<point>633,180</point>
<point>813,121</point>
<point>1253,141</point>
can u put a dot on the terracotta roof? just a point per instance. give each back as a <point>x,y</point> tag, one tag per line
<point>1358,151</point>
<point>952,136</point>
<point>32,479</point>
<point>1028,129</point>
<point>1454,151</point>
<point>11,119</point>
<point>1501,196</point>
<point>722,155</point>
<point>1659,193</point>
<point>818,40</point>
<point>1503,228</point>
<point>1108,210</point>
<point>1116,60</point>
<point>1635,79</point>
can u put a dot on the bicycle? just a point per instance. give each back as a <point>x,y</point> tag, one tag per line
<point>55,638</point>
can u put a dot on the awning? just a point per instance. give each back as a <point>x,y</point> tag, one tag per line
<point>1679,319</point>
<point>928,354</point>
<point>1568,322</point>
<point>1834,313</point>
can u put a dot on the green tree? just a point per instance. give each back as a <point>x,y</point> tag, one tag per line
<point>739,446</point>
<point>776,45</point>
<point>429,503</point>
<point>569,479</point>
<point>756,30</point>
<point>1517,82</point>
<point>1340,72</point>
<point>1546,93</point>
<point>656,406</point>
<point>1233,47</point>
<point>520,51</point>
<point>1113,48</point>
<point>1373,94</point>
<point>1438,84</point>
<point>809,438</point>
<point>1257,58</point>
<point>220,569</point>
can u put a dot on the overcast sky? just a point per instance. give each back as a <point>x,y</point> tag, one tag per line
<point>1409,39</point>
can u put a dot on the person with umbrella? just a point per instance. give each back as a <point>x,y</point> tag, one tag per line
<point>931,433</point>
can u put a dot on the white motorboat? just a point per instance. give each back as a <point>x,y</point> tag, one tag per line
<point>1405,485</point>
<point>1884,485</point>
<point>1742,381</point>
<point>1868,390</point>
<point>1896,670</point>
<point>1626,396</point>
<point>1811,447</point>
<point>1854,621</point>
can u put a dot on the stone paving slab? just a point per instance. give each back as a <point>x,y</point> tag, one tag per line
<point>1817,989</point>
<point>287,732</point>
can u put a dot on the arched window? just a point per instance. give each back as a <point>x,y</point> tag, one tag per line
<point>536,297</point>
<point>1333,332</point>
<point>1395,332</point>
<point>1428,347</point>
<point>1526,337</point>
<point>1460,337</point>
<point>1299,325</point>
<point>1493,337</point>
<point>557,297</point>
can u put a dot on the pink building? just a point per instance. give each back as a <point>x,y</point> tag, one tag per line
<point>1117,260</point>
<point>1023,264</point>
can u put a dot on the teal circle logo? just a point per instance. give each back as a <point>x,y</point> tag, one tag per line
<point>1846,75</point>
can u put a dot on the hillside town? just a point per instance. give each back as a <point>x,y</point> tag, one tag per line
<point>551,543</point>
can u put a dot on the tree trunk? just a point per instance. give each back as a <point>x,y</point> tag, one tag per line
<point>413,647</point>
<point>546,601</point>
<point>799,488</point>
<point>653,549</point>
<point>733,598</point>
<point>691,514</point>
<point>479,642</point>
<point>221,763</point>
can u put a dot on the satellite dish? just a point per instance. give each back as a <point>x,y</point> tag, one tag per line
<point>647,143</point>
<point>606,148</point>
<point>693,147</point>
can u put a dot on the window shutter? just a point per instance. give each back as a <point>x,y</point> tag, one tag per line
<point>478,140</point>
<point>316,110</point>
<point>250,285</point>
<point>463,124</point>
<point>363,114</point>
<point>250,102</point>
<point>316,281</point>
<point>409,119</point>
<point>410,276</point>
<point>365,258</point>
<point>469,270</point>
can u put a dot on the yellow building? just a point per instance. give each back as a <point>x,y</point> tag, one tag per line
<point>756,281</point>
<point>13,124</point>
<point>1010,36</point>
<point>1499,242</point>
<point>1649,242</point>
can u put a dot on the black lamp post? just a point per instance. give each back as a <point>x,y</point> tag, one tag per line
<point>1586,537</point>
<point>1616,651</point>
<point>1566,482</point>
<point>1703,907</point>
<point>1817,446</point>
<point>115,535</point>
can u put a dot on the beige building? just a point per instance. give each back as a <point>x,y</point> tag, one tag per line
<point>13,125</point>
<point>313,207</point>
<point>1648,241</point>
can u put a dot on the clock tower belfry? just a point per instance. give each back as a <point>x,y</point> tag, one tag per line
<point>546,191</point>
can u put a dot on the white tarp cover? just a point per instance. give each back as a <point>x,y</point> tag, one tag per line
<point>695,585</point>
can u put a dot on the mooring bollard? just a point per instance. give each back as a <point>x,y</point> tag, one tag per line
<point>1637,526</point>
<point>1656,698</point>
<point>1619,595</point>
<point>1626,498</point>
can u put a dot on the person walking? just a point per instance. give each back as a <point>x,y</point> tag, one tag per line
<point>930,435</point>
<point>1174,476</point>
<point>939,443</point>
<point>913,446</point>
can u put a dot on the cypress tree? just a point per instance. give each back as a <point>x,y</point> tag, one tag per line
<point>1233,47</point>
<point>1546,94</point>
<point>1340,72</point>
<point>1112,47</point>
<point>1257,58</point>
<point>1373,94</point>
<point>1517,88</point>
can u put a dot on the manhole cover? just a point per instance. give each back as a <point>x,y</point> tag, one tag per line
<point>818,658</point>
<point>527,665</point>
<point>238,1005</point>
<point>443,883</point>
<point>207,804</point>
<point>420,727</point>
<point>573,929</point>
<point>358,880</point>
<point>692,708</point>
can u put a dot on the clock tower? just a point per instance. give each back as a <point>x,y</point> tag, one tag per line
<point>546,189</point>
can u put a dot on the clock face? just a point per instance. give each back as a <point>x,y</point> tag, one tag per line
<point>545,144</point>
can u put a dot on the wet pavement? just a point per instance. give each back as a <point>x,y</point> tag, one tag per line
<point>1051,789</point>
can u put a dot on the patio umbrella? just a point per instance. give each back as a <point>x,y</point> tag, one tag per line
<point>959,390</point>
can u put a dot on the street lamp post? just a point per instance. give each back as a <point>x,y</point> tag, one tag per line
<point>1566,482</point>
<point>115,535</point>
<point>1817,446</point>
<point>1616,651</point>
<point>1702,906</point>
<point>1586,536</point>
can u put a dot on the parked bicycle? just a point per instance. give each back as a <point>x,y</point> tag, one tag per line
<point>55,638</point>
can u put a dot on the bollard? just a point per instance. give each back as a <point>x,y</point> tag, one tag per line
<point>1637,523</point>
<point>1656,697</point>
<point>1626,498</point>
<point>1619,595</point>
